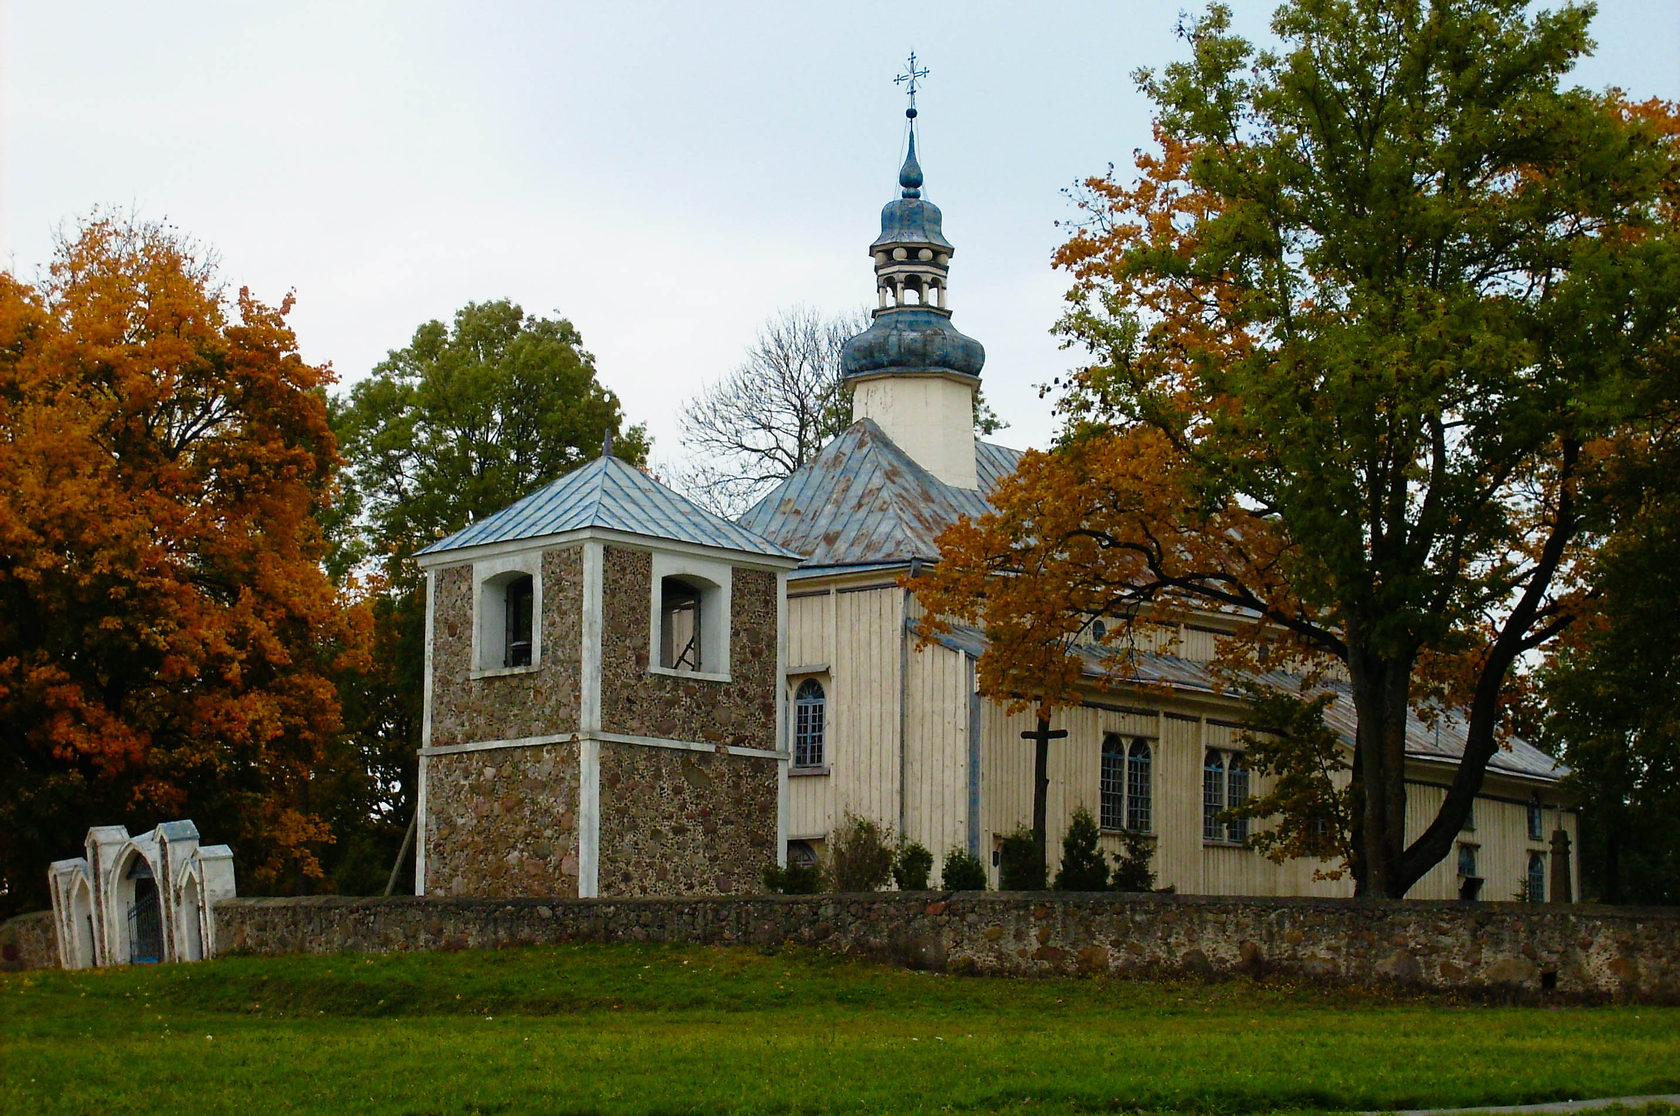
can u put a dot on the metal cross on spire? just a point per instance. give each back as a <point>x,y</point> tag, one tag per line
<point>908,80</point>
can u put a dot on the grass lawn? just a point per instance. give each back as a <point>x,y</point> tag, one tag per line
<point>673,1029</point>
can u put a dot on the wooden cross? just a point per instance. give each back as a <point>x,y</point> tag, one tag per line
<point>1043,734</point>
<point>909,79</point>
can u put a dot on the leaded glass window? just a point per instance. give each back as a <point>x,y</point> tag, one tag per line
<point>809,708</point>
<point>1213,796</point>
<point>1113,789</point>
<point>1236,795</point>
<point>1137,786</point>
<point>1535,890</point>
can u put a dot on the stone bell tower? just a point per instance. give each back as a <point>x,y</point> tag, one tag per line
<point>911,371</point>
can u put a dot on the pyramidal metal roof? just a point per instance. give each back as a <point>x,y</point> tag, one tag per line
<point>863,501</point>
<point>610,494</point>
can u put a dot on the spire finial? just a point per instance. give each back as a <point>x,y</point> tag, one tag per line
<point>606,443</point>
<point>910,175</point>
<point>908,79</point>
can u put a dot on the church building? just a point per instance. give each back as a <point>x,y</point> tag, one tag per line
<point>900,735</point>
<point>627,695</point>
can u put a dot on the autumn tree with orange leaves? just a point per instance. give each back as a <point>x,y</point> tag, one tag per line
<point>1372,317</point>
<point>167,633</point>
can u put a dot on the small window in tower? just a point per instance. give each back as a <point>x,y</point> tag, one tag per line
<point>505,626</point>
<point>517,645</point>
<point>1536,819</point>
<point>680,625</point>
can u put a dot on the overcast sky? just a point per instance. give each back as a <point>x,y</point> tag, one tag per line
<point>665,175</point>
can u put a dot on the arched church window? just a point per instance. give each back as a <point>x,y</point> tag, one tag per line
<point>1236,794</point>
<point>1213,796</point>
<point>1138,761</point>
<point>809,723</point>
<point>1534,889</point>
<point>1113,787</point>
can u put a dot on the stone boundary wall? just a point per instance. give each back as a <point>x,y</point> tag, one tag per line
<point>1575,952</point>
<point>28,942</point>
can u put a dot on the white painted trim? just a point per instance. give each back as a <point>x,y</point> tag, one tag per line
<point>608,737</point>
<point>420,827</point>
<point>783,745</point>
<point>485,571</point>
<point>589,818</point>
<point>589,676</point>
<point>426,694</point>
<point>746,558</point>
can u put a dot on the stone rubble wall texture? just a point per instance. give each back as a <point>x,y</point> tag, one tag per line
<point>1509,948</point>
<point>741,711</point>
<point>28,942</point>
<point>503,822</point>
<point>541,702</point>
<point>681,822</point>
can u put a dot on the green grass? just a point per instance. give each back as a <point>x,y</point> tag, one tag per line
<point>669,1029</point>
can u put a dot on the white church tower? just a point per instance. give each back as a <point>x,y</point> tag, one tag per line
<point>911,372</point>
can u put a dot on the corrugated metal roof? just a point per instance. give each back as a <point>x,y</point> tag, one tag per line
<point>1442,741</point>
<point>863,501</point>
<point>610,494</point>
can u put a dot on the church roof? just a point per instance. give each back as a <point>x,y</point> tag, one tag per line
<point>862,501</point>
<point>609,493</point>
<point>1441,741</point>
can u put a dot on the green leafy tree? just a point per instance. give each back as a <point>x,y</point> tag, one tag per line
<point>1304,764</point>
<point>466,419</point>
<point>1357,330</point>
<point>1083,867</point>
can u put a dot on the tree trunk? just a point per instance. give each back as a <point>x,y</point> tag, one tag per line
<point>1381,698</point>
<point>1041,790</point>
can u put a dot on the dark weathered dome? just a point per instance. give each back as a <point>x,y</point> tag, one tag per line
<point>912,339</point>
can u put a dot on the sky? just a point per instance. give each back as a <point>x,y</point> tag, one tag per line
<point>665,175</point>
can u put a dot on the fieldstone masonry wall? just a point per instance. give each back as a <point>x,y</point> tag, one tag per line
<point>1576,952</point>
<point>503,822</point>
<point>741,711</point>
<point>28,942</point>
<point>540,702</point>
<point>681,822</point>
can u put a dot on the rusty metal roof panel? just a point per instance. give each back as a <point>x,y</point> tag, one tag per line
<point>611,494</point>
<point>1441,742</point>
<point>864,501</point>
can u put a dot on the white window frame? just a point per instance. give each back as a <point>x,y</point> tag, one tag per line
<point>490,578</point>
<point>712,578</point>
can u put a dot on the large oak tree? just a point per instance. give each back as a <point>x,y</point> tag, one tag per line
<point>1374,311</point>
<point>167,634</point>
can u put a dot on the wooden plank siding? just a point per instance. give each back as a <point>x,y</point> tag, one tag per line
<point>897,711</point>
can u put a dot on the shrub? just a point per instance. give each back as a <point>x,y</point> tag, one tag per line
<point>962,871</point>
<point>795,879</point>
<point>911,867</point>
<point>860,855</point>
<point>1019,865</point>
<point>1131,866</point>
<point>1084,867</point>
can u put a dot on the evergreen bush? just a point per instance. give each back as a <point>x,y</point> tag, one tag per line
<point>911,867</point>
<point>1019,865</point>
<point>962,871</point>
<point>1131,866</point>
<point>1084,867</point>
<point>860,855</point>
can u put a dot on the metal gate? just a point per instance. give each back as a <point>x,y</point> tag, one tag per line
<point>145,925</point>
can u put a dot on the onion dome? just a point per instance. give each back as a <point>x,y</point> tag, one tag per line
<point>912,332</point>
